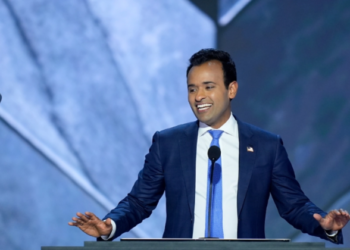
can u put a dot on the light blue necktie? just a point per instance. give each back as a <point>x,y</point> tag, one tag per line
<point>216,229</point>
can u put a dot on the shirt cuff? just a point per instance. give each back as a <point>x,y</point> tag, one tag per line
<point>331,233</point>
<point>114,228</point>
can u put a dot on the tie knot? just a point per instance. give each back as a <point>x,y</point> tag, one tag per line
<point>216,133</point>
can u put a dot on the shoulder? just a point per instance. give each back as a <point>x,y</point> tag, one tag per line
<point>184,132</point>
<point>257,132</point>
<point>186,128</point>
<point>267,143</point>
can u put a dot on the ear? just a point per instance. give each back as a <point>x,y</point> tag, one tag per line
<point>232,89</point>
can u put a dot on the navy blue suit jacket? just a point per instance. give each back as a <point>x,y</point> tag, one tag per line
<point>170,166</point>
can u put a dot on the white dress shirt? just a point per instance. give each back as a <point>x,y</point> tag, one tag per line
<point>229,145</point>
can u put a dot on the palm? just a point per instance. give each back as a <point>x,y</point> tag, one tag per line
<point>334,220</point>
<point>92,225</point>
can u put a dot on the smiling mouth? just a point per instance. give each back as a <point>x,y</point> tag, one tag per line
<point>203,107</point>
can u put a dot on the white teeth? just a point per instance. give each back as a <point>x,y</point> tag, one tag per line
<point>203,105</point>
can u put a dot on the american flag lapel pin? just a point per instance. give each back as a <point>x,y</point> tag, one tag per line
<point>250,149</point>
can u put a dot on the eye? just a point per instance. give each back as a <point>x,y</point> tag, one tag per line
<point>191,90</point>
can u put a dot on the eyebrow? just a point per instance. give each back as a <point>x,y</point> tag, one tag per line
<point>207,82</point>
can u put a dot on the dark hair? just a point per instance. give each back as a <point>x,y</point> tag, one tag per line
<point>205,55</point>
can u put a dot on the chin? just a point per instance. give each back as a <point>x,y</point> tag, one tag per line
<point>205,121</point>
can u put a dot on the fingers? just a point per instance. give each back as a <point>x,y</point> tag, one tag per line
<point>334,220</point>
<point>91,215</point>
<point>344,212</point>
<point>72,224</point>
<point>76,222</point>
<point>88,216</point>
<point>333,214</point>
<point>81,219</point>
<point>340,217</point>
<point>339,212</point>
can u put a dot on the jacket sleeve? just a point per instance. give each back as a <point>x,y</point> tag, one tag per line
<point>145,194</point>
<point>291,202</point>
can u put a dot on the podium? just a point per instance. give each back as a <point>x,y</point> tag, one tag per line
<point>196,244</point>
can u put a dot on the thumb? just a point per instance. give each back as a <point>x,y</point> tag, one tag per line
<point>108,222</point>
<point>318,217</point>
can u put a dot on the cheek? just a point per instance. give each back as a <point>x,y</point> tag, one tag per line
<point>217,98</point>
<point>221,101</point>
<point>191,101</point>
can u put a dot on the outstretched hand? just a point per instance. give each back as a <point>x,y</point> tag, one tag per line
<point>92,225</point>
<point>334,220</point>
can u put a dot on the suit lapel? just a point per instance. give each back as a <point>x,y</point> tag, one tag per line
<point>246,161</point>
<point>188,151</point>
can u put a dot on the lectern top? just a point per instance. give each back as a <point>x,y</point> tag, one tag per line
<point>204,239</point>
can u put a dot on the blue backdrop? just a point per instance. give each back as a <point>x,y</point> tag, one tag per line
<point>86,83</point>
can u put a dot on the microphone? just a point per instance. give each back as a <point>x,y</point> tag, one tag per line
<point>0,97</point>
<point>214,154</point>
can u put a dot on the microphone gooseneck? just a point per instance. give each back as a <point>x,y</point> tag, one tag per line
<point>214,154</point>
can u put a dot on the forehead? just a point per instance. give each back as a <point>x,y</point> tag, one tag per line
<point>211,70</point>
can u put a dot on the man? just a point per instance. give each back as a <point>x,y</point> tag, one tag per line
<point>252,165</point>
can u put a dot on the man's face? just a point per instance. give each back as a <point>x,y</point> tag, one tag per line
<point>207,94</point>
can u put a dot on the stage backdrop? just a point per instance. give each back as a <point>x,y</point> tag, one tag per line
<point>86,83</point>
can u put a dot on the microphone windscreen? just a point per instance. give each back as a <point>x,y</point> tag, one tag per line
<point>214,153</point>
<point>0,97</point>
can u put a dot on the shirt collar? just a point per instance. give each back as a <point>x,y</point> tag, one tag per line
<point>229,127</point>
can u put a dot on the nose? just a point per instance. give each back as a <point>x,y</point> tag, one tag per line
<point>200,95</point>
